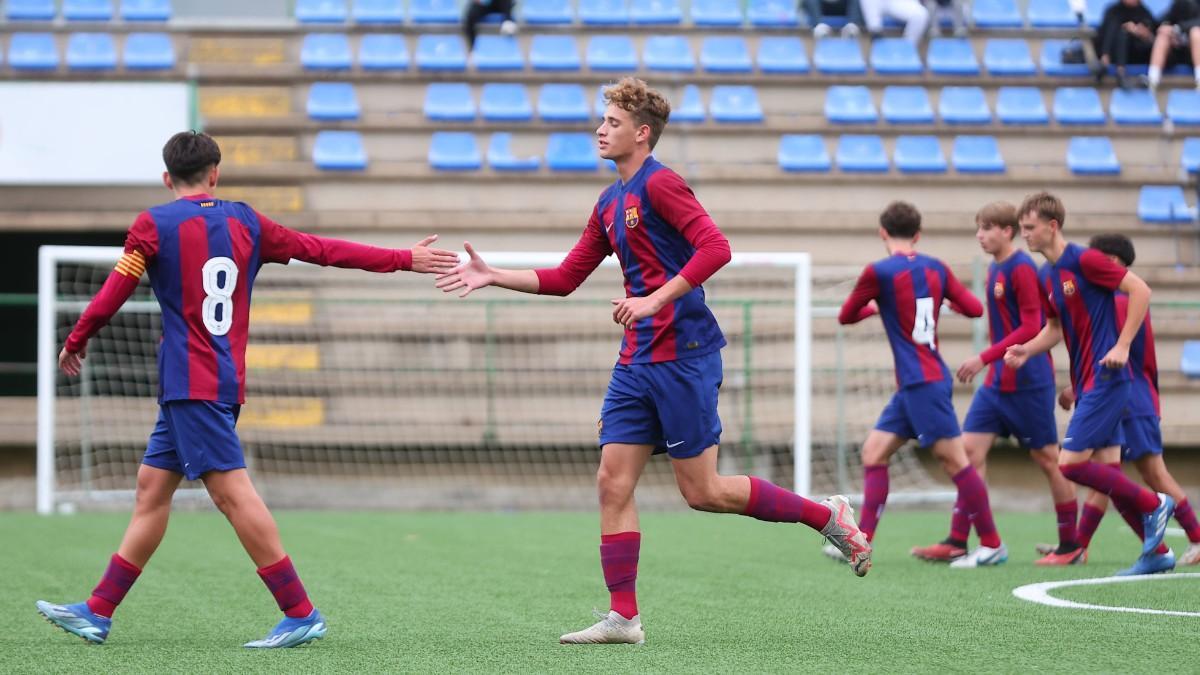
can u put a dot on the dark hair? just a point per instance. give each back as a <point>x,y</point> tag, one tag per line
<point>901,220</point>
<point>1000,215</point>
<point>1046,206</point>
<point>1114,244</point>
<point>189,155</point>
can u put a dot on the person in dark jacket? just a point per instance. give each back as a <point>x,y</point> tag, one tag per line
<point>1126,36</point>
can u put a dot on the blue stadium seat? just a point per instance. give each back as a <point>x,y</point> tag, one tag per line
<point>725,54</point>
<point>976,154</point>
<point>668,52</point>
<point>1183,106</point>
<point>735,103</point>
<point>554,52</point>
<point>951,56</point>
<point>434,11</point>
<point>665,12</point>
<point>861,154</point>
<point>837,56</point>
<point>572,151</point>
<point>772,13</point>
<point>963,105</point>
<point>1008,57</point>
<point>505,102</point>
<point>146,10</point>
<point>691,108</point>
<point>87,10</point>
<point>454,151</point>
<point>919,154</point>
<point>441,52</point>
<point>32,51</point>
<point>148,51</point>
<point>805,152</point>
<point>497,52</point>
<point>850,104</point>
<point>332,101</point>
<point>1189,159</point>
<point>547,12</point>
<point>449,101</point>
<point>339,151</point>
<point>1078,105</point>
<point>563,103</point>
<point>604,12</point>
<point>717,13</point>
<point>1189,360</point>
<point>1051,61</point>
<point>500,156</point>
<point>1051,14</point>
<point>906,105</point>
<point>378,11</point>
<point>1134,106</point>
<point>895,56</point>
<point>29,10</point>
<point>996,14</point>
<point>91,51</point>
<point>321,11</point>
<point>1163,204</point>
<point>380,51</point>
<point>611,52</point>
<point>325,51</point>
<point>1021,105</point>
<point>783,55</point>
<point>1092,155</point>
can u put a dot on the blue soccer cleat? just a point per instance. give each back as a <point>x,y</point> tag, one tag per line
<point>293,632</point>
<point>1154,524</point>
<point>1152,563</point>
<point>77,619</point>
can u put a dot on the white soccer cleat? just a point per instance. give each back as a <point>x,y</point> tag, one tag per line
<point>1191,556</point>
<point>982,556</point>
<point>843,533</point>
<point>612,628</point>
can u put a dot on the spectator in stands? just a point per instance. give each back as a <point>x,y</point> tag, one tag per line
<point>910,12</point>
<point>1177,41</point>
<point>1125,36</point>
<point>943,8</point>
<point>477,9</point>
<point>818,9</point>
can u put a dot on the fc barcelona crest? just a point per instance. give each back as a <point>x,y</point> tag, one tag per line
<point>998,291</point>
<point>1069,287</point>
<point>631,218</point>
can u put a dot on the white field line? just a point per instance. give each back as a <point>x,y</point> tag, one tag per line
<point>1040,593</point>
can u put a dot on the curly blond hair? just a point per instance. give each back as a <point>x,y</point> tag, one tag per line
<point>647,106</point>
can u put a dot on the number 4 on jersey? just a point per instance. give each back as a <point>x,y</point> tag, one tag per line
<point>924,330</point>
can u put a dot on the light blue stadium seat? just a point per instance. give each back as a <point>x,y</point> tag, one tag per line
<point>1021,105</point>
<point>803,152</point>
<point>976,154</point>
<point>861,154</point>
<point>500,156</point>
<point>332,101</point>
<point>717,13</point>
<point>148,51</point>
<point>441,52</point>
<point>611,52</point>
<point>837,56</point>
<point>1051,14</point>
<point>91,51</point>
<point>725,54</point>
<point>505,102</point>
<point>735,103</point>
<point>963,105</point>
<point>668,52</point>
<point>906,105</point>
<point>454,151</point>
<point>918,154</point>
<point>146,10</point>
<point>554,52</point>
<point>1008,57</point>
<point>996,14</point>
<point>772,13</point>
<point>379,51</point>
<point>339,151</point>
<point>87,10</point>
<point>496,53</point>
<point>449,101</point>
<point>782,55</point>
<point>1134,106</point>
<point>1189,360</point>
<point>1051,61</point>
<point>1183,106</point>
<point>1163,204</point>
<point>29,10</point>
<point>325,51</point>
<point>951,56</point>
<point>850,104</point>
<point>604,12</point>
<point>434,11</point>
<point>691,108</point>
<point>563,103</point>
<point>1189,159</point>
<point>664,12</point>
<point>572,151</point>
<point>547,12</point>
<point>321,11</point>
<point>1078,105</point>
<point>895,56</point>
<point>1092,155</point>
<point>378,11</point>
<point>32,51</point>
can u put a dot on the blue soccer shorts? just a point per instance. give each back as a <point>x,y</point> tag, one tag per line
<point>670,405</point>
<point>921,411</point>
<point>1026,415</point>
<point>1143,436</point>
<point>1096,423</point>
<point>195,437</point>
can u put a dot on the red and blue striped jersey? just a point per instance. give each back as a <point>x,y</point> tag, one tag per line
<point>1015,316</point>
<point>1143,364</point>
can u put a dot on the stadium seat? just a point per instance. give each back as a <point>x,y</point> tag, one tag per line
<point>772,13</point>
<point>1051,61</point>
<point>454,151</point>
<point>919,154</point>
<point>837,56</point>
<point>1051,14</point>
<point>555,52</point>
<point>325,51</point>
<point>861,154</point>
<point>611,52</point>
<point>668,52</point>
<point>1189,159</point>
<point>572,151</point>
<point>321,11</point>
<point>976,154</point>
<point>735,103</point>
<point>91,51</point>
<point>501,158</point>
<point>691,109</point>
<point>782,55</point>
<point>1134,106</point>
<point>505,102</point>
<point>951,56</point>
<point>339,151</point>
<point>963,105</point>
<point>449,101</point>
<point>604,12</point>
<point>1078,105</point>
<point>1157,7</point>
<point>1189,360</point>
<point>380,51</point>
<point>906,105</point>
<point>547,12</point>
<point>87,10</point>
<point>378,11</point>
<point>803,152</point>
<point>441,52</point>
<point>563,103</point>
<point>146,10</point>
<point>434,11</point>
<point>996,14</point>
<point>497,52</point>
<point>850,104</point>
<point>895,56</point>
<point>1008,57</point>
<point>1183,106</point>
<point>1163,204</point>
<point>29,10</point>
<point>664,12</point>
<point>600,105</point>
<point>1092,155</point>
<point>725,54</point>
<point>148,51</point>
<point>709,13</point>
<point>1021,105</point>
<point>332,101</point>
<point>32,51</point>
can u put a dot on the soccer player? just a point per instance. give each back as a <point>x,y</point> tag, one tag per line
<point>663,392</point>
<point>202,255</point>
<point>907,289</point>
<point>1078,288</point>
<point>1019,403</point>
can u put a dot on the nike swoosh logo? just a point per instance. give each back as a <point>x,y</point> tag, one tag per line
<point>671,445</point>
<point>608,227</point>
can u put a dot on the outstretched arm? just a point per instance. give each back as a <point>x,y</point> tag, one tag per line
<point>281,244</point>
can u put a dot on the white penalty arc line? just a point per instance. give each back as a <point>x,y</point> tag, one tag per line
<point>1040,593</point>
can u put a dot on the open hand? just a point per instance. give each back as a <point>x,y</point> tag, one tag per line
<point>473,274</point>
<point>71,362</point>
<point>432,260</point>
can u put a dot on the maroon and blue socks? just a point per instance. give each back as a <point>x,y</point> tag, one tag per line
<point>875,494</point>
<point>974,495</point>
<point>283,582</point>
<point>772,503</point>
<point>113,586</point>
<point>619,559</point>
